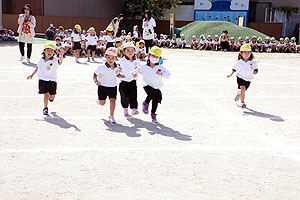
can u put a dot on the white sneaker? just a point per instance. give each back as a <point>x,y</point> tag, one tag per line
<point>88,60</point>
<point>135,111</point>
<point>28,60</point>
<point>126,112</point>
<point>76,60</point>
<point>22,58</point>
<point>112,119</point>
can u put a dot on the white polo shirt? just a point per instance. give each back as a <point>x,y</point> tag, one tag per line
<point>107,76</point>
<point>76,37</point>
<point>47,70</point>
<point>150,78</point>
<point>245,69</point>
<point>91,39</point>
<point>128,67</point>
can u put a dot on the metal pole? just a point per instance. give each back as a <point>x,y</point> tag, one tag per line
<point>1,23</point>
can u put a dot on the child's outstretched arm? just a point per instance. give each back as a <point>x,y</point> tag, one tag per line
<point>233,71</point>
<point>61,55</point>
<point>35,71</point>
<point>163,72</point>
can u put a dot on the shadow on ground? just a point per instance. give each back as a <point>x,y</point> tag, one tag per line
<point>152,128</point>
<point>263,115</point>
<point>59,121</point>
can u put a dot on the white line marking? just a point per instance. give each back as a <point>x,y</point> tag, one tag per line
<point>72,150</point>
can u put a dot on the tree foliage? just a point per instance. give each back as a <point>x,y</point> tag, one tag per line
<point>136,8</point>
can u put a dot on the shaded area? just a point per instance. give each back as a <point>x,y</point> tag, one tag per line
<point>29,64</point>
<point>263,115</point>
<point>152,128</point>
<point>59,121</point>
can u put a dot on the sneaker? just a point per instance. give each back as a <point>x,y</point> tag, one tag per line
<point>153,116</point>
<point>135,111</point>
<point>243,105</point>
<point>28,60</point>
<point>145,107</point>
<point>45,111</point>
<point>93,59</point>
<point>112,119</point>
<point>237,97</point>
<point>126,112</point>
<point>88,60</point>
<point>22,58</point>
<point>76,60</point>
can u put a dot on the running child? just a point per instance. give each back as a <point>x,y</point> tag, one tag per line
<point>91,42</point>
<point>127,87</point>
<point>47,73</point>
<point>246,69</point>
<point>76,39</point>
<point>152,77</point>
<point>105,77</point>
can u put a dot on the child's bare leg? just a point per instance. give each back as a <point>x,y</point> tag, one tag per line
<point>242,93</point>
<point>46,99</point>
<point>112,106</point>
<point>101,102</point>
<point>51,97</point>
<point>88,53</point>
<point>93,54</point>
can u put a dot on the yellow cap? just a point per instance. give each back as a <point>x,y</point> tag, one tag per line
<point>128,37</point>
<point>118,39</point>
<point>245,47</point>
<point>109,29</point>
<point>137,44</point>
<point>112,51</point>
<point>50,45</point>
<point>91,29</point>
<point>122,47</point>
<point>156,51</point>
<point>77,26</point>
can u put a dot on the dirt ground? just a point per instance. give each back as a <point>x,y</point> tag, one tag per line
<point>204,146</point>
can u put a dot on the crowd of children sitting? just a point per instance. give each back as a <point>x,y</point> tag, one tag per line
<point>7,35</point>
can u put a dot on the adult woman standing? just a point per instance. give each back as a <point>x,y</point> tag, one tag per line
<point>26,32</point>
<point>148,29</point>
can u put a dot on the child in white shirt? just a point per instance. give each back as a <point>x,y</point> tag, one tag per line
<point>152,77</point>
<point>173,43</point>
<point>194,43</point>
<point>246,69</point>
<point>59,46</point>
<point>141,50</point>
<point>76,39</point>
<point>182,42</point>
<point>47,74</point>
<point>91,43</point>
<point>105,77</point>
<point>127,87</point>
<point>202,42</point>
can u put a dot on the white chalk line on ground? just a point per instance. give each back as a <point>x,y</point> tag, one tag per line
<point>72,150</point>
<point>195,84</point>
<point>248,127</point>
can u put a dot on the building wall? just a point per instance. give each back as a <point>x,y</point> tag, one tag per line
<point>279,3</point>
<point>182,13</point>
<point>15,6</point>
<point>80,8</point>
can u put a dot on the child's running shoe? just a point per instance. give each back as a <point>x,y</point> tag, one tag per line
<point>126,112</point>
<point>237,97</point>
<point>112,119</point>
<point>93,59</point>
<point>243,105</point>
<point>88,60</point>
<point>135,111</point>
<point>45,111</point>
<point>145,107</point>
<point>153,116</point>
<point>76,60</point>
<point>22,58</point>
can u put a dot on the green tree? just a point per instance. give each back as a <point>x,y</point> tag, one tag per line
<point>136,8</point>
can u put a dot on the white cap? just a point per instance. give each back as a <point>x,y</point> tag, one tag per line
<point>128,44</point>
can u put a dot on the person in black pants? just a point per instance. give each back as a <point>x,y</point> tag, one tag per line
<point>148,29</point>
